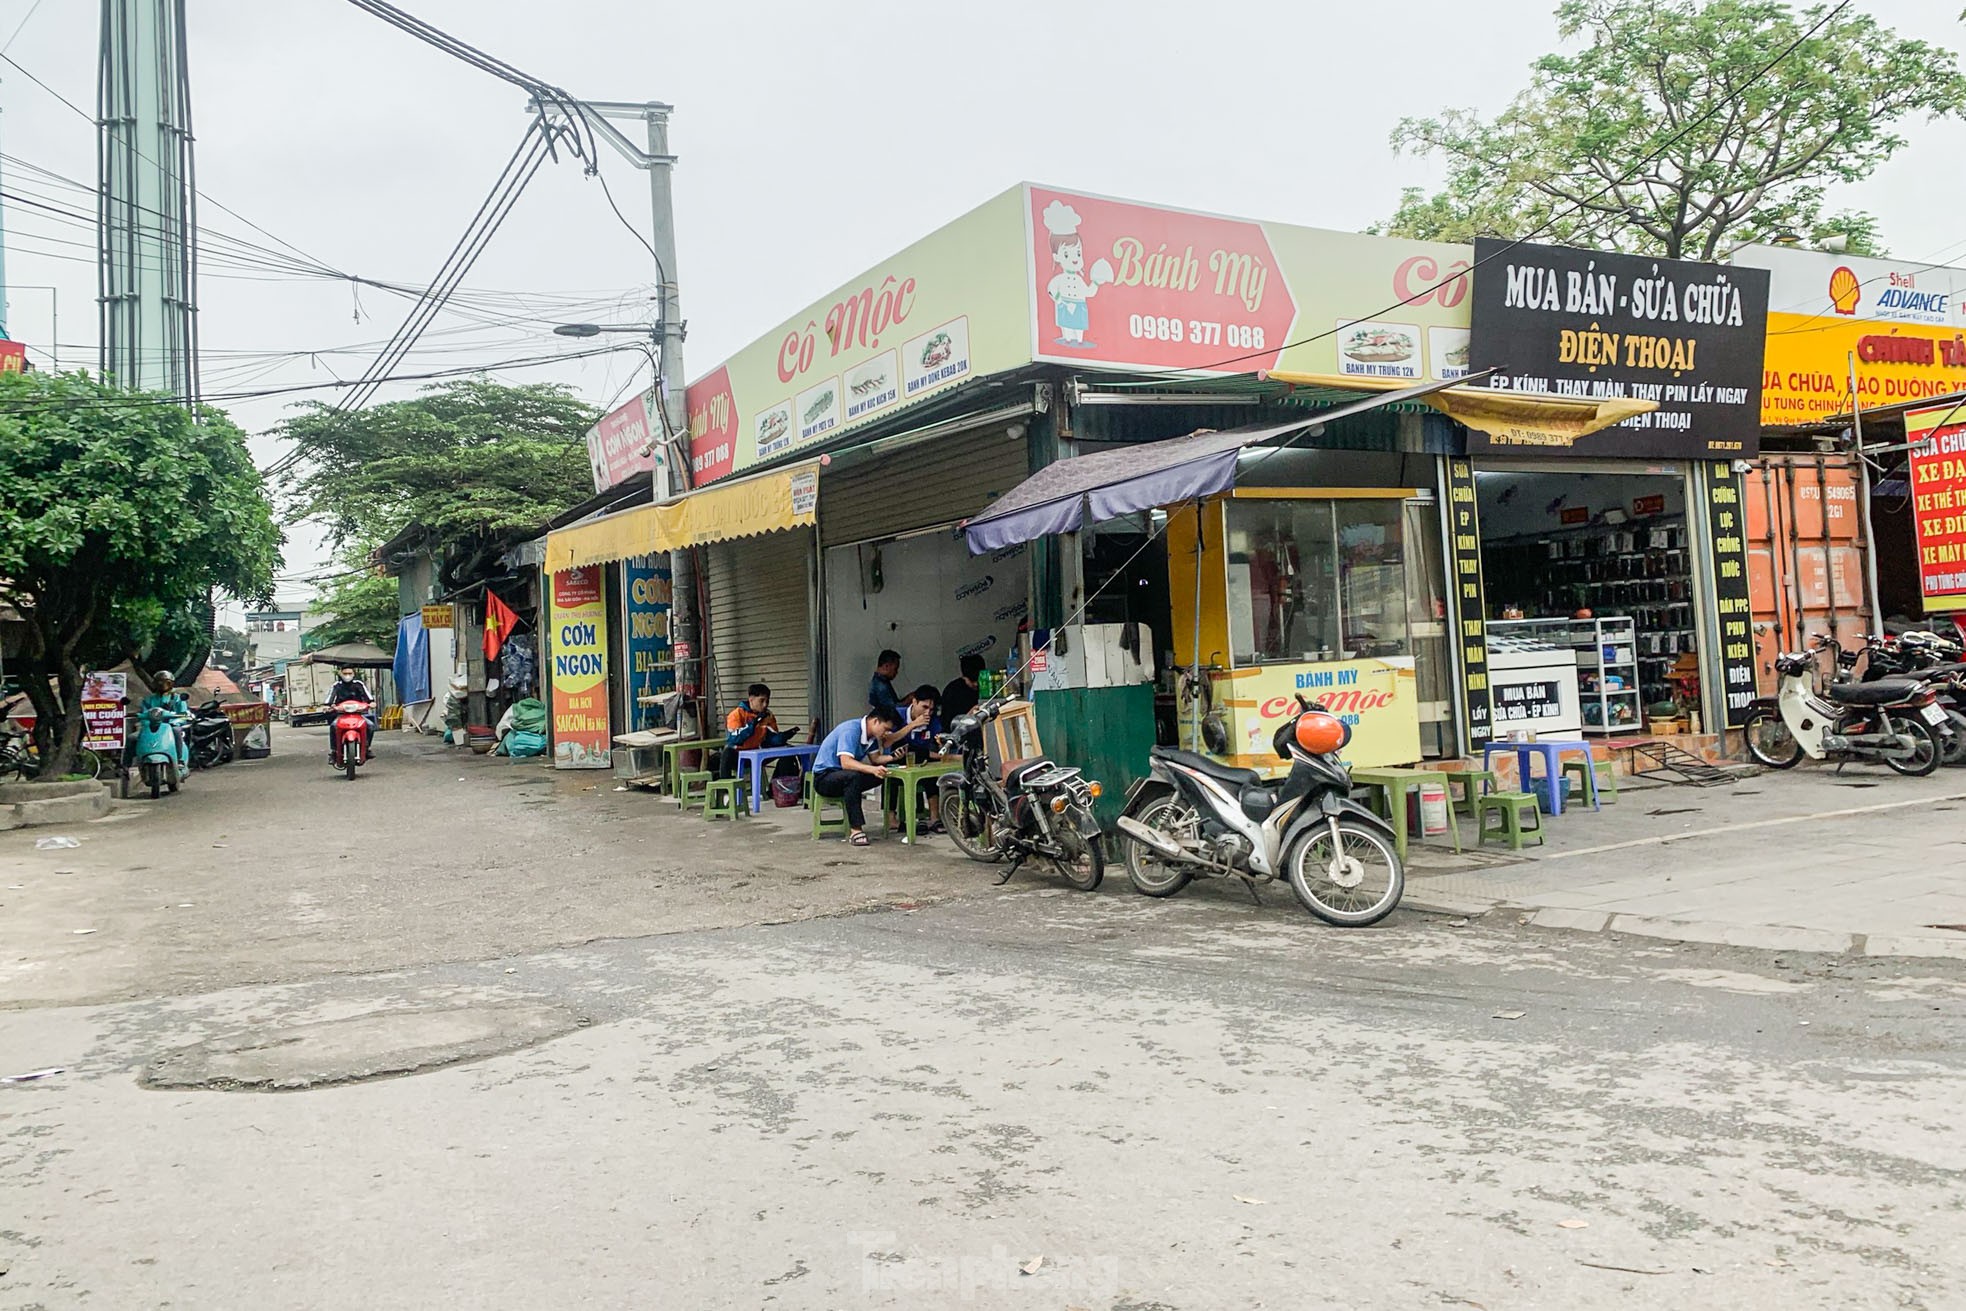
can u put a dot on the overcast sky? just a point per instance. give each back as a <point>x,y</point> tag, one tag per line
<point>814,139</point>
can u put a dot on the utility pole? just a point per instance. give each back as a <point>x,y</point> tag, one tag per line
<point>659,164</point>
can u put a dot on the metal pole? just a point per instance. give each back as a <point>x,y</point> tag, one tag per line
<point>1863,504</point>
<point>1194,677</point>
<point>662,235</point>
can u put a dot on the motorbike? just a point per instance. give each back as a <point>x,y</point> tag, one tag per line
<point>1034,810</point>
<point>1895,720</point>
<point>1926,658</point>
<point>161,751</point>
<point>211,736</point>
<point>348,736</point>
<point>1191,816</point>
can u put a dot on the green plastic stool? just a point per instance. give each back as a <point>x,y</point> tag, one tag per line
<point>1464,802</point>
<point>822,825</point>
<point>726,798</point>
<point>1597,784</point>
<point>1509,807</point>
<point>693,787</point>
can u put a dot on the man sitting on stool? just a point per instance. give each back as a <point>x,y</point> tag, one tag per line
<point>852,762</point>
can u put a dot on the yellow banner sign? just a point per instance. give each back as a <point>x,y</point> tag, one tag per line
<point>437,616</point>
<point>1377,698</point>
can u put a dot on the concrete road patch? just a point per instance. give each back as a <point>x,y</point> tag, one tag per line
<point>373,1046</point>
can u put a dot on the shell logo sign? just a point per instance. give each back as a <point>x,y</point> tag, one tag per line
<point>1845,290</point>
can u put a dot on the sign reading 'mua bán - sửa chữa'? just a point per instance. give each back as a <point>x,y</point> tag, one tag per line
<point>1684,335</point>
<point>1938,504</point>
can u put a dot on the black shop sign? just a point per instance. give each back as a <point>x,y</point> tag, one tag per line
<point>1578,323</point>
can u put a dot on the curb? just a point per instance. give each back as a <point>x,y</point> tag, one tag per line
<point>1756,937</point>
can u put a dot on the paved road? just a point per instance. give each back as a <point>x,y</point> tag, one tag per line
<point>1178,1105</point>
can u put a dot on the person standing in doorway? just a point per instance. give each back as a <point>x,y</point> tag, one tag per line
<point>851,763</point>
<point>880,689</point>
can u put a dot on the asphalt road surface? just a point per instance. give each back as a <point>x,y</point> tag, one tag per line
<point>1026,1097</point>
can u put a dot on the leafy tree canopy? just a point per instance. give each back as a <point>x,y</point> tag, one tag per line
<point>1739,158</point>
<point>471,461</point>
<point>123,514</point>
<point>360,605</point>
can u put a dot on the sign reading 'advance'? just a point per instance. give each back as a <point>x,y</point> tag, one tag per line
<point>1595,326</point>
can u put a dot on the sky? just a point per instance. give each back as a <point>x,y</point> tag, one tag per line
<point>813,140</point>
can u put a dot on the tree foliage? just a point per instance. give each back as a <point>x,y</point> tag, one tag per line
<point>359,605</point>
<point>123,513</point>
<point>1658,137</point>
<point>471,461</point>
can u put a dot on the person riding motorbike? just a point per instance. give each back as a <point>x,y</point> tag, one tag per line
<point>171,700</point>
<point>350,688</point>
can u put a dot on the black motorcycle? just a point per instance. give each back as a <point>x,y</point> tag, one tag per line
<point>211,736</point>
<point>1924,657</point>
<point>1031,810</point>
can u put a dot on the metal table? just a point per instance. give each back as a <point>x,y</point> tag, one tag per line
<point>755,760</point>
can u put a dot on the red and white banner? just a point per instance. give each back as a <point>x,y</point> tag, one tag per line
<point>620,445</point>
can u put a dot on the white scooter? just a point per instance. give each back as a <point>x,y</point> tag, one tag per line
<point>1894,720</point>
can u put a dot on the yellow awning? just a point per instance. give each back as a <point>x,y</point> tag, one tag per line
<point>1511,418</point>
<point>767,503</point>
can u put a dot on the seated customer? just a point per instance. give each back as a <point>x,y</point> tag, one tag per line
<point>920,744</point>
<point>961,696</point>
<point>748,727</point>
<point>851,764</point>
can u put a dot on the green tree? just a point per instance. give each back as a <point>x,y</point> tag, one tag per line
<point>229,652</point>
<point>473,462</point>
<point>1735,161</point>
<point>360,604</point>
<point>123,513</point>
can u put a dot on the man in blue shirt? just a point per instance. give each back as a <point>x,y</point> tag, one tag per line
<point>850,764</point>
<point>880,689</point>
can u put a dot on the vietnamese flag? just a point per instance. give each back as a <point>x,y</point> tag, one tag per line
<point>499,623</point>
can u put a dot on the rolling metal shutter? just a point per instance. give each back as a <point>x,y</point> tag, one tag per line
<point>760,621</point>
<point>939,482</point>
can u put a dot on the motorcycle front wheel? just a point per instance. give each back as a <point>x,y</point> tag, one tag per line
<point>1952,739</point>
<point>968,826</point>
<point>350,752</point>
<point>1356,881</point>
<point>1926,753</point>
<point>1084,864</point>
<point>1152,874</point>
<point>1769,740</point>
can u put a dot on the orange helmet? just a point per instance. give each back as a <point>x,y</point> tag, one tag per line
<point>1321,734</point>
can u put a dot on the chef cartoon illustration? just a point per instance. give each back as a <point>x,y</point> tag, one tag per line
<point>1072,286</point>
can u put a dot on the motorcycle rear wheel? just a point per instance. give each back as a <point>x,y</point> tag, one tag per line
<point>1152,874</point>
<point>1952,739</point>
<point>1925,755</point>
<point>971,830</point>
<point>1078,835</point>
<point>1769,740</point>
<point>1357,884</point>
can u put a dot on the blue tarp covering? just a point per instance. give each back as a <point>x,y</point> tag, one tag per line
<point>412,668</point>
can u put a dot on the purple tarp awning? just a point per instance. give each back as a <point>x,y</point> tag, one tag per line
<point>1063,497</point>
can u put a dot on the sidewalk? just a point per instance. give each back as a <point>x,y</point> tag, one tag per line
<point>1803,860</point>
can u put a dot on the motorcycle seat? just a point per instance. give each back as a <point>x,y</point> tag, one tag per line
<point>1884,692</point>
<point>1227,775</point>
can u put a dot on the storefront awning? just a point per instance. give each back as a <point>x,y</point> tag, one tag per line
<point>766,503</point>
<point>1065,496</point>
<point>1513,418</point>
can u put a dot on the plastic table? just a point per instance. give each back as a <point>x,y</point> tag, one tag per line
<point>756,758</point>
<point>672,761</point>
<point>910,778</point>
<point>1393,785</point>
<point>1552,750</point>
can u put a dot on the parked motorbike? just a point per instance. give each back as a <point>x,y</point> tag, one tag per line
<point>1892,719</point>
<point>211,736</point>
<point>1927,658</point>
<point>348,736</point>
<point>161,752</point>
<point>1192,816</point>
<point>1034,810</point>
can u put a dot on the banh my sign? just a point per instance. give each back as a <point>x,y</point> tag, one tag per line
<point>1376,698</point>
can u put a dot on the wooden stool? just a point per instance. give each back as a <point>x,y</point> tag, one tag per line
<point>822,825</point>
<point>1465,802</point>
<point>692,787</point>
<point>1510,807</point>
<point>1594,784</point>
<point>725,797</point>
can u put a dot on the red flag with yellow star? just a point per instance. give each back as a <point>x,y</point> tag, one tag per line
<point>499,623</point>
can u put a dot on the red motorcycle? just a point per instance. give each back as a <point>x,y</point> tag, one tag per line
<point>348,736</point>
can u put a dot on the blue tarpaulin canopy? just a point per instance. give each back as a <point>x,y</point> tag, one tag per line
<point>1064,497</point>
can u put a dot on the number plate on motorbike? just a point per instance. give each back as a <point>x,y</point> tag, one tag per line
<point>1933,714</point>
